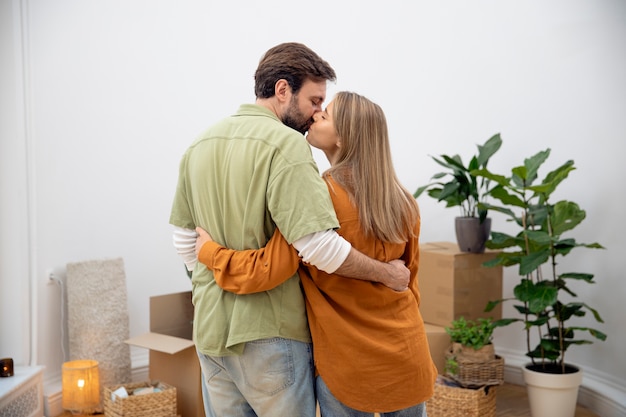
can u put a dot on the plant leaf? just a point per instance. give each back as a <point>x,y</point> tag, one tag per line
<point>532,165</point>
<point>486,151</point>
<point>531,262</point>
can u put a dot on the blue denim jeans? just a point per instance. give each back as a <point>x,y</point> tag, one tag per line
<point>273,377</point>
<point>331,407</point>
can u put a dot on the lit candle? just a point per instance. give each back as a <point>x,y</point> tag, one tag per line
<point>6,367</point>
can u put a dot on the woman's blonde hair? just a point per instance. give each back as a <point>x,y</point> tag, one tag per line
<point>364,168</point>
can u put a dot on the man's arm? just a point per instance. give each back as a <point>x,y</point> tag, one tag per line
<point>331,253</point>
<point>393,274</point>
<point>184,241</point>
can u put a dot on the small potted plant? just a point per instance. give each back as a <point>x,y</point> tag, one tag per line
<point>543,297</point>
<point>472,334</point>
<point>471,360</point>
<point>459,187</point>
<point>467,385</point>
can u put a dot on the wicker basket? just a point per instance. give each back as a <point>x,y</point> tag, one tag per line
<point>156,404</point>
<point>472,374</point>
<point>450,401</point>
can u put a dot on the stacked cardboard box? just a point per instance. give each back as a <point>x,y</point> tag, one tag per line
<point>438,342</point>
<point>454,284</point>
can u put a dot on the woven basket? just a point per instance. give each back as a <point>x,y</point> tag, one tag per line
<point>156,404</point>
<point>477,374</point>
<point>451,401</point>
<point>474,372</point>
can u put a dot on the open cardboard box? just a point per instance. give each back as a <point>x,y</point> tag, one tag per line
<point>172,355</point>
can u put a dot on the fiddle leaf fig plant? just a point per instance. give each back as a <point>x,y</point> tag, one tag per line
<point>459,186</point>
<point>544,297</point>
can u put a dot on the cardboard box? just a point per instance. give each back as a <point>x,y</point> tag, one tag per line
<point>454,283</point>
<point>172,355</point>
<point>438,342</point>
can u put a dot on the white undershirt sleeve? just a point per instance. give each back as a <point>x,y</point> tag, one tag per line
<point>325,250</point>
<point>185,244</point>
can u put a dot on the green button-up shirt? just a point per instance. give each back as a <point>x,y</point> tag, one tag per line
<point>242,178</point>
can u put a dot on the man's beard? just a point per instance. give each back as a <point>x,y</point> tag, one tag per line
<point>295,119</point>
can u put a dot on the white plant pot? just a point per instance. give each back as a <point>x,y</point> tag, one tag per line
<point>552,395</point>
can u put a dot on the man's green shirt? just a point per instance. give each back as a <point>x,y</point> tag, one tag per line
<point>242,178</point>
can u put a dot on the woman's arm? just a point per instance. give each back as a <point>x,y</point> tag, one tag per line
<point>248,271</point>
<point>257,270</point>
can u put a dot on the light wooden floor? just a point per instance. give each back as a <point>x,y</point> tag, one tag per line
<point>511,401</point>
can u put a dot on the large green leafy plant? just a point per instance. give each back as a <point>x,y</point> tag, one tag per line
<point>543,295</point>
<point>459,186</point>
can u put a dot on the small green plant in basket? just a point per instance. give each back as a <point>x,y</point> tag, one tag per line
<point>471,342</point>
<point>469,333</point>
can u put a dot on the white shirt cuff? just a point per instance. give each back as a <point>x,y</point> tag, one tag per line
<point>325,250</point>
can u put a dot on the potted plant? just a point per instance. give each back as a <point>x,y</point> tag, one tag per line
<point>466,386</point>
<point>471,360</point>
<point>544,298</point>
<point>460,187</point>
<point>473,334</point>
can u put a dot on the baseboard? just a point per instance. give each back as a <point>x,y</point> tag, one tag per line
<point>53,404</point>
<point>140,374</point>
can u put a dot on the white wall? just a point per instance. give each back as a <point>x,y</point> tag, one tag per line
<point>100,99</point>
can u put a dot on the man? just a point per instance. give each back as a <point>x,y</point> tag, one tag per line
<point>244,177</point>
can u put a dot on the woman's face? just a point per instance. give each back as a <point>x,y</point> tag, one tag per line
<point>322,134</point>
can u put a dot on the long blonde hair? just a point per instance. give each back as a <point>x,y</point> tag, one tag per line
<point>364,168</point>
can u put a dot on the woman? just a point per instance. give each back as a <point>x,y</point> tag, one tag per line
<point>370,348</point>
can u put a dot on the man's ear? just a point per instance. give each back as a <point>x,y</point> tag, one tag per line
<point>282,90</point>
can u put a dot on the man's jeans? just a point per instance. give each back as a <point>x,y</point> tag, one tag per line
<point>331,407</point>
<point>273,377</point>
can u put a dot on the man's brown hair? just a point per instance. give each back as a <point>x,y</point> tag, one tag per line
<point>293,62</point>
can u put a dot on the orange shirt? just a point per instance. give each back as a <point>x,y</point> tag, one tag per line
<point>369,341</point>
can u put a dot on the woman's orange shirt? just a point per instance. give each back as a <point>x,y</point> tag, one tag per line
<point>369,341</point>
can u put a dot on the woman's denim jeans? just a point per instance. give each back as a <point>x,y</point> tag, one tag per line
<point>331,407</point>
